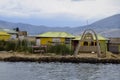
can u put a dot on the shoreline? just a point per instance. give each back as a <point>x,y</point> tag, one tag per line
<point>26,57</point>
<point>60,59</point>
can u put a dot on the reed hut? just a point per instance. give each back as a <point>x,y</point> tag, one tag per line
<point>90,42</point>
<point>13,33</point>
<point>87,46</point>
<point>53,38</point>
<point>4,36</point>
<point>114,45</point>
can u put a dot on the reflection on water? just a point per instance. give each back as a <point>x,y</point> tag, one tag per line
<point>58,71</point>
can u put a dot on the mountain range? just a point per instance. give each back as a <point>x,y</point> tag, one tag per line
<point>108,27</point>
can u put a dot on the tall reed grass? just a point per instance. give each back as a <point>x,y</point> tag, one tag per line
<point>16,45</point>
<point>26,46</point>
<point>61,49</point>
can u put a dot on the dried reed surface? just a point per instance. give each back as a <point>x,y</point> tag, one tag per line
<point>50,57</point>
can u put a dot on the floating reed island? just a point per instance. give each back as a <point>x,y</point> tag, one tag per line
<point>81,58</point>
<point>89,47</point>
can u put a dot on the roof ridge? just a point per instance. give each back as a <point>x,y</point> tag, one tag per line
<point>56,34</point>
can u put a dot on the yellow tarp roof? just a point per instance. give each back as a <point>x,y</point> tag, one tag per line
<point>56,34</point>
<point>4,33</point>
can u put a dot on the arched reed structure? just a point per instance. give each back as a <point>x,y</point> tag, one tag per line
<point>89,35</point>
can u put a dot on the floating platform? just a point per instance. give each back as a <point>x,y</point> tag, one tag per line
<point>48,57</point>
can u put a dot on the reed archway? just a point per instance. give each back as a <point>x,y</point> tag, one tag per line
<point>91,36</point>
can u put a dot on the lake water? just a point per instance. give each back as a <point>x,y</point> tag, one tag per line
<point>58,71</point>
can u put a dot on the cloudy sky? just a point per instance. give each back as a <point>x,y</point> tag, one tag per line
<point>57,13</point>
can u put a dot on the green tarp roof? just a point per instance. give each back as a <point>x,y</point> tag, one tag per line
<point>10,31</point>
<point>67,35</point>
<point>56,34</point>
<point>99,37</point>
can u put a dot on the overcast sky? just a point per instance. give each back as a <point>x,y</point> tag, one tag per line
<point>57,13</point>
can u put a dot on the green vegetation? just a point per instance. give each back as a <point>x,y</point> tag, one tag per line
<point>26,46</point>
<point>16,45</point>
<point>2,45</point>
<point>61,49</point>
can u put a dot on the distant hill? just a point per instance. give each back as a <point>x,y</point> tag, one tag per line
<point>109,27</point>
<point>32,29</point>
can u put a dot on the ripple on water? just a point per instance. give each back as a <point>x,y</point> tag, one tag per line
<point>58,71</point>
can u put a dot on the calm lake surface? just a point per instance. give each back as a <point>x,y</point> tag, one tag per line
<point>58,71</point>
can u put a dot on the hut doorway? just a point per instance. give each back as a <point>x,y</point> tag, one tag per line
<point>38,42</point>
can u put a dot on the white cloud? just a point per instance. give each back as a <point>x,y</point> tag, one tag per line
<point>51,8</point>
